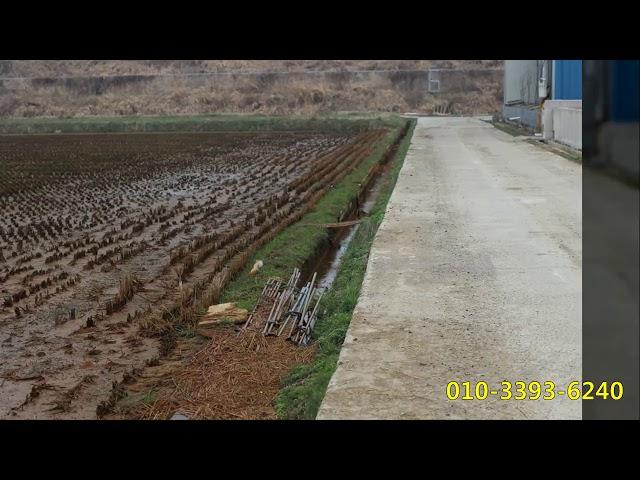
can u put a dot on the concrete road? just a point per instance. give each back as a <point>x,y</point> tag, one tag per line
<point>474,275</point>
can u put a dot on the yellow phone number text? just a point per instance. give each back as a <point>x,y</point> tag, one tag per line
<point>534,390</point>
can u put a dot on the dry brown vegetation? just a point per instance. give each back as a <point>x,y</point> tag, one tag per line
<point>56,68</point>
<point>228,378</point>
<point>174,87</point>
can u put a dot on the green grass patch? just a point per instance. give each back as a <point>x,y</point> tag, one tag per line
<point>185,331</point>
<point>305,386</point>
<point>149,397</point>
<point>226,322</point>
<point>196,123</point>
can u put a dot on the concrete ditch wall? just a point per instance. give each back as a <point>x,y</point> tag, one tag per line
<point>562,122</point>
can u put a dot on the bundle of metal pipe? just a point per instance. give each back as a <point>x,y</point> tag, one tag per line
<point>294,308</point>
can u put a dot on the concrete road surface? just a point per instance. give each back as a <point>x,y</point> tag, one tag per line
<point>474,275</point>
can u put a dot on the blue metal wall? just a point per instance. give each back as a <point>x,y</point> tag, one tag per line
<point>567,77</point>
<point>624,90</point>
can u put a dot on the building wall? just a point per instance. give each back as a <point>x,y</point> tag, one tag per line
<point>562,122</point>
<point>567,80</point>
<point>525,116</point>
<point>521,81</point>
<point>567,126</point>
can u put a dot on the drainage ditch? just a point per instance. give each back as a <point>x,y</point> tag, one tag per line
<point>327,261</point>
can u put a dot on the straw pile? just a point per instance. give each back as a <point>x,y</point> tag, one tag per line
<point>228,378</point>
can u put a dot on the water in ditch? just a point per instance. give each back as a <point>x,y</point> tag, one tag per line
<point>328,264</point>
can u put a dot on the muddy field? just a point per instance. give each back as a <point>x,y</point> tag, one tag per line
<point>108,241</point>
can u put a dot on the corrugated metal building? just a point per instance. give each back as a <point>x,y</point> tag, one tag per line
<point>521,102</point>
<point>566,79</point>
<point>521,82</point>
<point>545,96</point>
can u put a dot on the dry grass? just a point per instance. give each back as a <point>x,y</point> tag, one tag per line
<point>48,68</point>
<point>128,286</point>
<point>299,94</point>
<point>236,375</point>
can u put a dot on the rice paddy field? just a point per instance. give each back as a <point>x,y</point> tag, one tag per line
<point>108,239</point>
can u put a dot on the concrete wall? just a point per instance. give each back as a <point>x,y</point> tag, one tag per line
<point>562,122</point>
<point>567,127</point>
<point>526,116</point>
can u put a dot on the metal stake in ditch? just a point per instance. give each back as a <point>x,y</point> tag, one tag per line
<point>306,325</point>
<point>305,305</point>
<point>281,304</point>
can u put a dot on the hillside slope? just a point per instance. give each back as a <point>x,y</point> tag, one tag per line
<point>31,88</point>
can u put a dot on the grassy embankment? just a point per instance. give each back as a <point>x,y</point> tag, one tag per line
<point>195,123</point>
<point>306,385</point>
